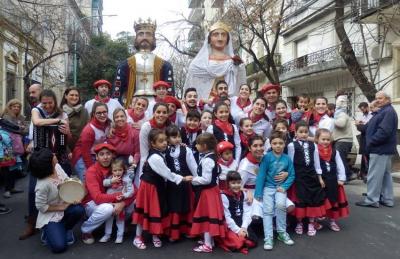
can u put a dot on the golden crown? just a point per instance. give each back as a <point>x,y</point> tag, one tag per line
<point>145,25</point>
<point>220,25</point>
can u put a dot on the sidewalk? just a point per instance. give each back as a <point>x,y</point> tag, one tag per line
<point>396,177</point>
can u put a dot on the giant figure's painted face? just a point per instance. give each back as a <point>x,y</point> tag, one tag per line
<point>145,40</point>
<point>218,39</point>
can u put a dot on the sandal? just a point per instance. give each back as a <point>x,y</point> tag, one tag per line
<point>157,242</point>
<point>299,229</point>
<point>311,230</point>
<point>138,242</point>
<point>334,226</point>
<point>203,249</point>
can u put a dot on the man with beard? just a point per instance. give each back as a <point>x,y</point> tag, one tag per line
<point>137,74</point>
<point>103,88</point>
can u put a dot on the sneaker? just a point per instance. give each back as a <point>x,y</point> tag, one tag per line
<point>138,242</point>
<point>285,238</point>
<point>203,249</point>
<point>157,242</point>
<point>87,238</point>
<point>70,237</point>
<point>334,226</point>
<point>4,210</point>
<point>7,194</point>
<point>269,244</point>
<point>105,238</point>
<point>119,240</point>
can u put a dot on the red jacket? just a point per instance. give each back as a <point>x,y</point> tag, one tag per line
<point>128,145</point>
<point>95,189</point>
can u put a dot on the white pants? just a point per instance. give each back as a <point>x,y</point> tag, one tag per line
<point>98,214</point>
<point>120,226</point>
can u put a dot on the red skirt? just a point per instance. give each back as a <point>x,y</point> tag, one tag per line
<point>208,215</point>
<point>232,243</point>
<point>339,209</point>
<point>307,212</point>
<point>181,223</point>
<point>147,211</point>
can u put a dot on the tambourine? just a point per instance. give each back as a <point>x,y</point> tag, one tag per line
<point>71,190</point>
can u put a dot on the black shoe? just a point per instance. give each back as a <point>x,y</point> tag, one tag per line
<point>365,204</point>
<point>14,191</point>
<point>385,204</point>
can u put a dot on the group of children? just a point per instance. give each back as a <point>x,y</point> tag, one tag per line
<point>213,179</point>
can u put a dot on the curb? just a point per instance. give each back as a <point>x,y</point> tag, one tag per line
<point>396,177</point>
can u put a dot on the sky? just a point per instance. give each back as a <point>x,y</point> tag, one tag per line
<point>128,11</point>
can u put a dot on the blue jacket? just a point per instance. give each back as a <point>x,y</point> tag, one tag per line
<point>381,132</point>
<point>270,166</point>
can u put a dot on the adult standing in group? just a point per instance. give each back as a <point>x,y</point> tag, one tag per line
<point>124,138</point>
<point>160,120</point>
<point>343,133</point>
<point>34,94</point>
<point>271,93</point>
<point>77,114</point>
<point>214,62</point>
<point>361,124</point>
<point>381,146</point>
<point>241,105</point>
<point>261,124</point>
<point>103,88</point>
<point>136,115</point>
<point>320,119</point>
<point>137,74</point>
<point>99,205</point>
<point>95,132</point>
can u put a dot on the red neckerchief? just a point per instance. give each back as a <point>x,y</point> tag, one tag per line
<point>99,125</point>
<point>245,139</point>
<point>256,117</point>
<point>225,126</point>
<point>191,131</point>
<point>105,171</point>
<point>325,152</point>
<point>317,117</point>
<point>252,159</point>
<point>233,194</point>
<point>225,163</point>
<point>271,107</point>
<point>102,100</point>
<point>158,99</point>
<point>248,102</point>
<point>154,124</point>
<point>172,118</point>
<point>135,117</point>
<point>122,133</point>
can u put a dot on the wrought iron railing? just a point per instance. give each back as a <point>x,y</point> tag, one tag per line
<point>319,57</point>
<point>363,8</point>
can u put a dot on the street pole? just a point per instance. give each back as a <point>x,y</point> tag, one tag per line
<point>75,62</point>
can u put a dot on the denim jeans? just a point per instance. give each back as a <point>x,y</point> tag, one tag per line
<point>80,169</point>
<point>274,204</point>
<point>56,232</point>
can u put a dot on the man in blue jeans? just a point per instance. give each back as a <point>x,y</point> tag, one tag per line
<point>381,146</point>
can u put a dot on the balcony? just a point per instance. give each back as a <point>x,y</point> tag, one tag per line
<point>196,3</point>
<point>315,62</point>
<point>252,68</point>
<point>196,15</point>
<point>369,10</point>
<point>195,34</point>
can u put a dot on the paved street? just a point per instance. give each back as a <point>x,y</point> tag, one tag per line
<point>367,233</point>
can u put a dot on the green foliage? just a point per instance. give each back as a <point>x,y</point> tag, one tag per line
<point>99,60</point>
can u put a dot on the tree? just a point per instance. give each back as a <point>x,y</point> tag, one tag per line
<point>364,76</point>
<point>100,61</point>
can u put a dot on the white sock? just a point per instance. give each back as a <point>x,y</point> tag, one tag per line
<point>139,230</point>
<point>208,240</point>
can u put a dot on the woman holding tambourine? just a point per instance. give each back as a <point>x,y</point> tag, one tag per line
<point>56,218</point>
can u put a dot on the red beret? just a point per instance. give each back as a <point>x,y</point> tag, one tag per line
<point>101,82</point>
<point>160,84</point>
<point>171,99</point>
<point>101,146</point>
<point>224,145</point>
<point>265,88</point>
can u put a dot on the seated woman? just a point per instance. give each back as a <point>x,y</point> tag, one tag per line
<point>56,218</point>
<point>124,138</point>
